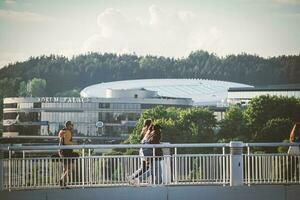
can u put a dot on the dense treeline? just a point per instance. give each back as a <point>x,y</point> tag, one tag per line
<point>62,74</point>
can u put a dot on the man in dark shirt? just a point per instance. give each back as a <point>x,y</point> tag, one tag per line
<point>65,138</point>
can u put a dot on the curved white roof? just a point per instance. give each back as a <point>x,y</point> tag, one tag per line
<point>202,91</point>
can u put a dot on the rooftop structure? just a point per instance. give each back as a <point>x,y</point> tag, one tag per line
<point>201,91</point>
<point>242,95</point>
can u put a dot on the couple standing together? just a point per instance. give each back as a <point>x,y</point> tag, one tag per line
<point>150,165</point>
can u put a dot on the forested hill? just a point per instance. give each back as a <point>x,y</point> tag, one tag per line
<point>63,74</point>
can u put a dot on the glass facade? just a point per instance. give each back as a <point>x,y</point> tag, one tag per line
<point>46,116</point>
<point>84,122</point>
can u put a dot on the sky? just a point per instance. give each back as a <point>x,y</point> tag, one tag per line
<point>172,28</point>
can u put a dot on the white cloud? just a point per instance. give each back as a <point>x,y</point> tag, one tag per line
<point>289,2</point>
<point>96,43</point>
<point>162,33</point>
<point>213,41</point>
<point>289,15</point>
<point>23,16</point>
<point>9,1</point>
<point>157,15</point>
<point>186,16</point>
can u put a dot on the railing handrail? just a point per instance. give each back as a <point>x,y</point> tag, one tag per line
<point>115,146</point>
<point>57,138</point>
<point>272,144</point>
<point>163,145</point>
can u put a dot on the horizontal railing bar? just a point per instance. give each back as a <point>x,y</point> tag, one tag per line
<point>56,137</point>
<point>120,156</point>
<point>266,154</point>
<point>273,144</point>
<point>116,146</point>
<point>123,146</point>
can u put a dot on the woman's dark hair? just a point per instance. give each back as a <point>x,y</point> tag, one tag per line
<point>157,127</point>
<point>68,123</point>
<point>151,127</point>
<point>147,122</point>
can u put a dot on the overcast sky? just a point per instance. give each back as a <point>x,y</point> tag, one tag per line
<point>157,27</point>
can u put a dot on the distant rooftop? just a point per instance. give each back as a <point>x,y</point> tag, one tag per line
<point>283,87</point>
<point>202,91</point>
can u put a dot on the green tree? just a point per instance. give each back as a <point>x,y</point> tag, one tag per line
<point>190,125</point>
<point>265,108</point>
<point>275,130</point>
<point>69,93</point>
<point>23,92</point>
<point>157,113</point>
<point>36,87</point>
<point>234,127</point>
<point>198,124</point>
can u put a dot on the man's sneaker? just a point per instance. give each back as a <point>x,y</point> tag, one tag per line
<point>62,183</point>
<point>131,180</point>
<point>134,182</point>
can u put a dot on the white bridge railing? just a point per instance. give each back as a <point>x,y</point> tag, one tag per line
<point>271,168</point>
<point>33,167</point>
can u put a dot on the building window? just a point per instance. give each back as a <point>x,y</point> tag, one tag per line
<point>10,128</point>
<point>25,105</point>
<point>104,105</point>
<point>29,117</point>
<point>23,130</point>
<point>10,105</point>
<point>37,105</point>
<point>136,96</point>
<point>147,106</point>
<point>10,115</point>
<point>133,116</point>
<point>112,130</point>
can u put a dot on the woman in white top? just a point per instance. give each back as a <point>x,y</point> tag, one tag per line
<point>147,128</point>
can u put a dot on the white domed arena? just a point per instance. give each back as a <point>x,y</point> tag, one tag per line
<point>201,91</point>
<point>111,109</point>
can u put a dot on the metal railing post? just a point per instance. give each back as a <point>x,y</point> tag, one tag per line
<point>23,169</point>
<point>154,169</point>
<point>248,167</point>
<point>90,177</point>
<point>1,170</point>
<point>236,163</point>
<point>223,165</point>
<point>166,175</point>
<point>82,167</point>
<point>176,170</point>
<point>9,169</point>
